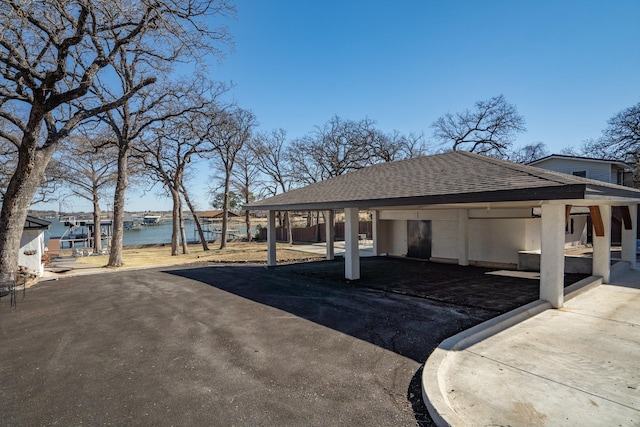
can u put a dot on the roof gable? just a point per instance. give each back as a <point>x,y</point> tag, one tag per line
<point>33,223</point>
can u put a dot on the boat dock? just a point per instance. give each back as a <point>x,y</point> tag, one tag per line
<point>82,232</point>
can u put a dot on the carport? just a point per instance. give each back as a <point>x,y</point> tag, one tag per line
<point>459,189</point>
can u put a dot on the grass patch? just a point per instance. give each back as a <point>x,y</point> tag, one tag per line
<point>237,252</point>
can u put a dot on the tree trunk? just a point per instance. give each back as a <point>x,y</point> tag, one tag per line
<point>205,246</point>
<point>115,255</point>
<point>247,223</point>
<point>17,199</point>
<point>225,212</point>
<point>175,217</point>
<point>183,235</point>
<point>97,234</point>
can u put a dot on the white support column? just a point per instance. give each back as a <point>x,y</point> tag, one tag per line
<point>463,236</point>
<point>602,246</point>
<point>271,238</point>
<point>375,217</point>
<point>552,255</point>
<point>629,238</point>
<point>329,217</point>
<point>351,250</point>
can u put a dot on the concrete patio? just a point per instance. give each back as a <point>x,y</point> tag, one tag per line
<point>574,366</point>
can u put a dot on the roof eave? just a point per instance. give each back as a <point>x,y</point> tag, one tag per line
<point>574,191</point>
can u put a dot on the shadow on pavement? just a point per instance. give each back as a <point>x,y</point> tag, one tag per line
<point>409,326</point>
<point>382,307</point>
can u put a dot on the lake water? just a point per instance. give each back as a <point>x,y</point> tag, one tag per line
<point>153,234</point>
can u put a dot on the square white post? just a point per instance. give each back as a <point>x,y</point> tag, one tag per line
<point>271,238</point>
<point>552,255</point>
<point>602,246</point>
<point>329,233</point>
<point>351,249</point>
<point>629,238</point>
<point>375,217</point>
<point>463,236</point>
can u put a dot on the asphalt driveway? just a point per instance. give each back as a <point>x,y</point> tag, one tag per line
<point>225,345</point>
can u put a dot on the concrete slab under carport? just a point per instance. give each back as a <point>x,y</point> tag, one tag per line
<point>572,366</point>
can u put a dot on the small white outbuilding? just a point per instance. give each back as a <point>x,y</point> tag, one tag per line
<point>32,248</point>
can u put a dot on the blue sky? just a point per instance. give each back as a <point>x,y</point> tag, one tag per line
<point>568,66</point>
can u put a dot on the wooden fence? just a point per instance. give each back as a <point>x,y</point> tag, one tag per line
<point>316,233</point>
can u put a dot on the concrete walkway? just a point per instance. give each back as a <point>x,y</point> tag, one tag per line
<point>320,248</point>
<point>574,366</point>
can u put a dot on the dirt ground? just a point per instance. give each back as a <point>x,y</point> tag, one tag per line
<point>236,252</point>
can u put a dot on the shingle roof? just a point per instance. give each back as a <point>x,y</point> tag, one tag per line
<point>454,177</point>
<point>34,223</point>
<point>589,159</point>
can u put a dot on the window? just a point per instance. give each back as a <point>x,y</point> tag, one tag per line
<point>582,174</point>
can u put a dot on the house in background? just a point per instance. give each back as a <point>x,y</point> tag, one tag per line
<point>611,171</point>
<point>32,244</point>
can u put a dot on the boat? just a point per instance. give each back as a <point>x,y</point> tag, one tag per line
<point>151,219</point>
<point>132,223</point>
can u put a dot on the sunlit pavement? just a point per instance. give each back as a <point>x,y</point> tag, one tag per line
<point>574,366</point>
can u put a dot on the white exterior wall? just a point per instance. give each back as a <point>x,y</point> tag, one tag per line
<point>500,240</point>
<point>32,240</point>
<point>579,235</point>
<point>495,236</point>
<point>444,239</point>
<point>595,170</point>
<point>392,237</point>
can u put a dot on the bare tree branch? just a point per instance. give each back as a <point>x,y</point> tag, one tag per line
<point>488,129</point>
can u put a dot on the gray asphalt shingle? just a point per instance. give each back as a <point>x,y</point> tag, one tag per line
<point>453,177</point>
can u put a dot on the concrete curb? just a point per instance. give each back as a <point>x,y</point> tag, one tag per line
<point>443,358</point>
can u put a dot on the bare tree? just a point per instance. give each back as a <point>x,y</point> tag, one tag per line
<point>168,151</point>
<point>232,131</point>
<point>87,172</point>
<point>396,146</point>
<point>244,179</point>
<point>601,149</point>
<point>47,190</point>
<point>489,128</point>
<point>273,160</point>
<point>51,54</point>
<point>337,147</point>
<point>528,153</point>
<point>194,215</point>
<point>133,118</point>
<point>621,137</point>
